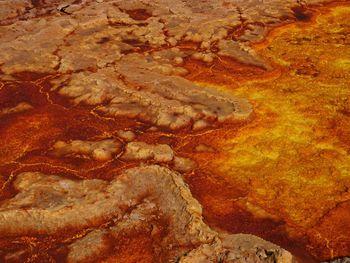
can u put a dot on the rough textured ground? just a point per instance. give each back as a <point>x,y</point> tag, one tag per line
<point>160,131</point>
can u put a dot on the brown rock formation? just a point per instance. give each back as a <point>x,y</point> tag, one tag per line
<point>115,115</point>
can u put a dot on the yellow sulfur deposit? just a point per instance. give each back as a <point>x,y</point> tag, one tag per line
<point>295,154</point>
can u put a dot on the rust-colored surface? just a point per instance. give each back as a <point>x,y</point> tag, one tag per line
<point>292,159</point>
<point>282,174</point>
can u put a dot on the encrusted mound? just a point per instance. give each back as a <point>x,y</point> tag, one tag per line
<point>79,36</point>
<point>139,198</point>
<point>166,101</point>
<point>112,28</point>
<point>99,150</point>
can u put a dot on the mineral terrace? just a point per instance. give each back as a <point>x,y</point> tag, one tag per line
<point>174,131</point>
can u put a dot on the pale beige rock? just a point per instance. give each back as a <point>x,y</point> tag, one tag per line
<point>238,248</point>
<point>182,164</point>
<point>200,124</point>
<point>96,201</point>
<point>144,151</point>
<point>19,51</point>
<point>240,52</point>
<point>205,57</point>
<point>95,244</point>
<point>110,55</point>
<point>132,199</point>
<point>157,153</point>
<point>166,101</point>
<point>89,34</point>
<point>126,135</point>
<point>20,107</point>
<point>88,248</point>
<point>103,150</point>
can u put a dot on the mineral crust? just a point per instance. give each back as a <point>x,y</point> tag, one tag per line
<point>113,113</point>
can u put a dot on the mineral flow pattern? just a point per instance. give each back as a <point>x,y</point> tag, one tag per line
<point>174,131</point>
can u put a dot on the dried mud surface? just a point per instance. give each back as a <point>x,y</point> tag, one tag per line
<point>182,131</point>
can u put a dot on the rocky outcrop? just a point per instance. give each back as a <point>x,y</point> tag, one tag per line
<point>139,197</point>
<point>99,150</point>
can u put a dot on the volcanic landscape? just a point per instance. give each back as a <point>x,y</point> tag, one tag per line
<point>187,131</point>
